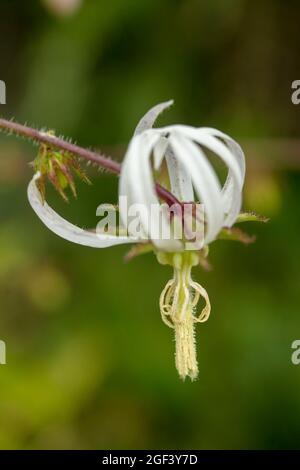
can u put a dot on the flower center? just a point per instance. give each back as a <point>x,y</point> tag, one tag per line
<point>178,302</point>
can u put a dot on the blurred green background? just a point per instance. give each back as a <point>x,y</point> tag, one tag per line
<point>89,362</point>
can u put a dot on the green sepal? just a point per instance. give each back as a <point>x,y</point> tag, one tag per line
<point>58,167</point>
<point>236,234</point>
<point>203,259</point>
<point>137,250</point>
<point>251,217</point>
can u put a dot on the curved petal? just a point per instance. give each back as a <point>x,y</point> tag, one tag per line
<point>150,117</point>
<point>228,188</point>
<point>204,179</point>
<point>219,148</point>
<point>233,146</point>
<point>180,178</point>
<point>159,152</point>
<point>65,229</point>
<point>181,183</point>
<point>137,184</point>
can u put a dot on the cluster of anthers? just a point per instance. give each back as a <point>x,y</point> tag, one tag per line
<point>179,155</point>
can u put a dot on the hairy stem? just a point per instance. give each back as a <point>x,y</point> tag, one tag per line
<point>57,142</point>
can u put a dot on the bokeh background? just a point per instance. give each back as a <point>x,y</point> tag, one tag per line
<point>89,363</point>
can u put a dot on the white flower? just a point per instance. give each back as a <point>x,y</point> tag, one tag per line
<point>190,171</point>
<point>192,177</point>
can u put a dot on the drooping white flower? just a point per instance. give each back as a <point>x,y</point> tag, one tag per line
<point>192,178</point>
<point>190,174</point>
<point>190,171</point>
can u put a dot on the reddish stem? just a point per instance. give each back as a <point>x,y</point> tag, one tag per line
<point>101,160</point>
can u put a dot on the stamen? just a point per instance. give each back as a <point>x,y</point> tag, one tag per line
<point>178,303</point>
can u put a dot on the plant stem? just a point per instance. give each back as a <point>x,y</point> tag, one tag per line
<point>57,142</point>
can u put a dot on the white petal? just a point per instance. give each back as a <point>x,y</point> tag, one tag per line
<point>233,146</point>
<point>200,136</point>
<point>159,152</point>
<point>181,184</point>
<point>137,183</point>
<point>180,178</point>
<point>231,207</point>
<point>204,179</point>
<point>65,229</point>
<point>236,176</point>
<point>150,117</point>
